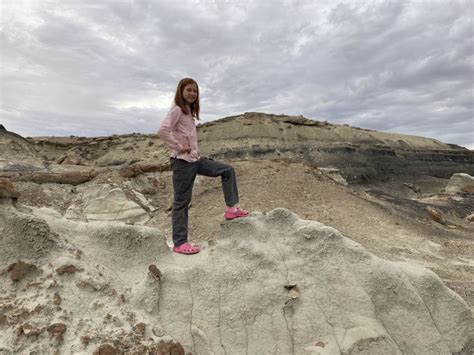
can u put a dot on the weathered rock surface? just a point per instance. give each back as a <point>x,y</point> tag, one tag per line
<point>19,269</point>
<point>23,236</point>
<point>142,152</point>
<point>77,312</point>
<point>7,189</point>
<point>273,283</point>
<point>104,202</point>
<point>363,155</point>
<point>459,183</point>
<point>68,177</point>
<point>235,298</point>
<point>14,146</point>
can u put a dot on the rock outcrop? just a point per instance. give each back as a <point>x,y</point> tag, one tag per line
<point>132,153</point>
<point>65,285</point>
<point>7,190</point>
<point>273,283</point>
<point>363,155</point>
<point>236,295</point>
<point>85,266</point>
<point>14,147</point>
<point>460,183</point>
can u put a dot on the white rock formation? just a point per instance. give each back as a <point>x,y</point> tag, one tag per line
<point>459,183</point>
<point>232,297</point>
<point>272,284</point>
<point>103,202</point>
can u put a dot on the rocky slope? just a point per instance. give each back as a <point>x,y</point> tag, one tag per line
<point>272,283</point>
<point>83,221</point>
<point>363,155</point>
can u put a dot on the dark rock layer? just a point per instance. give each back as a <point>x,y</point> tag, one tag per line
<point>362,155</point>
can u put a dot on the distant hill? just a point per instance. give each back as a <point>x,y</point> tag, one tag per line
<point>363,155</point>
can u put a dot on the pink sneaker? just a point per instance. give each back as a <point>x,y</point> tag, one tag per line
<point>229,214</point>
<point>187,249</point>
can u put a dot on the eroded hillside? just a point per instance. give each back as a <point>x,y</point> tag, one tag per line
<point>98,210</point>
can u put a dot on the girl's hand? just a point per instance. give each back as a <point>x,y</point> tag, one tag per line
<point>185,148</point>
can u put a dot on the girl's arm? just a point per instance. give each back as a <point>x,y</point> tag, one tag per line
<point>167,126</point>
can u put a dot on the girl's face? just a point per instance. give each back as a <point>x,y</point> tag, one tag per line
<point>190,93</point>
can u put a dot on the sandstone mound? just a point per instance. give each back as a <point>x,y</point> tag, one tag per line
<point>277,284</point>
<point>23,236</point>
<point>460,183</point>
<point>66,286</point>
<point>98,201</point>
<point>16,153</point>
<point>273,283</point>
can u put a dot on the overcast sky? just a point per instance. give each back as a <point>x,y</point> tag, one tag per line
<point>91,68</point>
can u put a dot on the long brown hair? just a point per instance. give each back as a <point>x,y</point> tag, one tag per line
<point>179,100</point>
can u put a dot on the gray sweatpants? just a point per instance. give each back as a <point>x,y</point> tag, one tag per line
<point>184,174</point>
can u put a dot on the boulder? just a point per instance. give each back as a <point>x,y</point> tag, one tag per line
<point>460,183</point>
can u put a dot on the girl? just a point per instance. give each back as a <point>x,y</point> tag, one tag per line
<point>178,130</point>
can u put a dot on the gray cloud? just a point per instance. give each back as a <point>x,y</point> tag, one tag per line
<point>98,68</point>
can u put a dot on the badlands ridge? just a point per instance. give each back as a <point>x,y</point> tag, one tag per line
<point>360,243</point>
